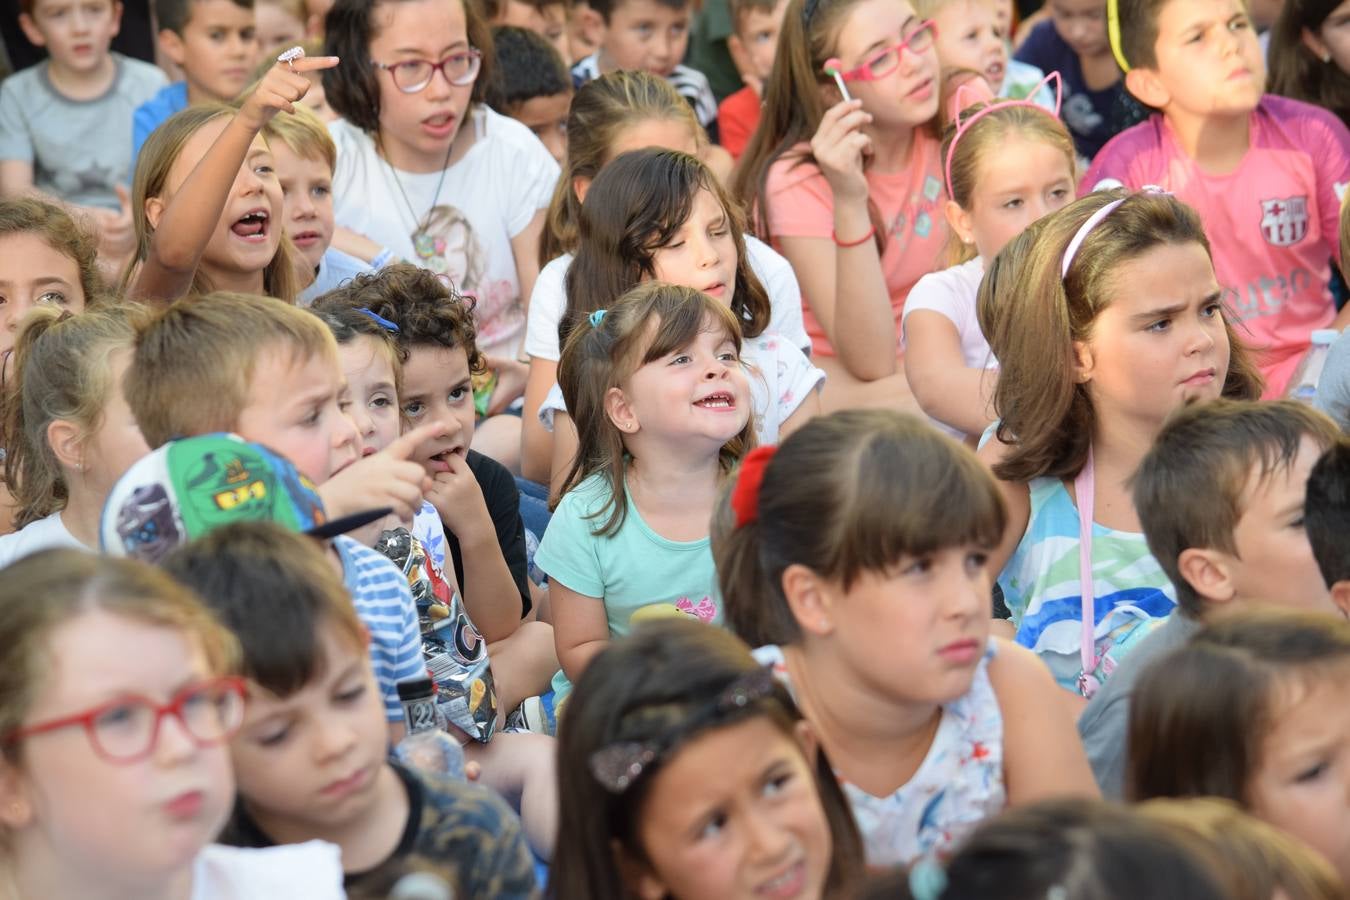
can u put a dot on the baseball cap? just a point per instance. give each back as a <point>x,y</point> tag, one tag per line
<point>194,485</point>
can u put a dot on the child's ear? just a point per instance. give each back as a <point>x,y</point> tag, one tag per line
<point>1082,362</point>
<point>810,598</point>
<point>15,809</point>
<point>593,26</point>
<point>116,18</point>
<point>154,209</point>
<point>1340,595</point>
<point>580,186</point>
<point>1148,88</point>
<point>30,30</point>
<point>620,411</point>
<point>739,57</point>
<point>637,875</point>
<point>807,740</point>
<point>960,221</point>
<point>1208,573</point>
<point>65,439</point>
<point>171,45</point>
<point>1316,46</point>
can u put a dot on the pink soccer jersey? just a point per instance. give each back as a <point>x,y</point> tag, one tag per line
<point>1272,223</point>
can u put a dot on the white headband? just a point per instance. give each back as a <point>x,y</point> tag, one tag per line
<point>1093,221</point>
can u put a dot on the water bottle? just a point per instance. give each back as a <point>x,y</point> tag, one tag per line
<point>1310,370</point>
<point>428,747</point>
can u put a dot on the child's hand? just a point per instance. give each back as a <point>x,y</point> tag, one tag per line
<point>116,232</point>
<point>458,498</point>
<point>840,147</point>
<point>281,88</point>
<point>511,375</point>
<point>385,479</point>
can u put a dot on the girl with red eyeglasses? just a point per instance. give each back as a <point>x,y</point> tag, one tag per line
<point>115,707</point>
<point>843,178</point>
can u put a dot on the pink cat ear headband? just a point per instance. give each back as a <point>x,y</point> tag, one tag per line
<point>962,126</point>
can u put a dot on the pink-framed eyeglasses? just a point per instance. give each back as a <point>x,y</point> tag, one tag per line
<point>413,75</point>
<point>886,60</point>
<point>125,730</point>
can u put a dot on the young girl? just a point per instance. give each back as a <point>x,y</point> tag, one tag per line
<point>418,151</point>
<point>206,203</point>
<point>850,191</point>
<point>68,432</point>
<point>114,771</point>
<point>688,772</point>
<point>1252,710</point>
<point>1112,322</point>
<point>1007,164</point>
<point>971,38</point>
<point>661,215</point>
<point>854,557</point>
<point>1308,56</point>
<point>612,115</point>
<point>662,407</point>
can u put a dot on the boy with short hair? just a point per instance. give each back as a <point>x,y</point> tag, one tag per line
<point>310,760</point>
<point>304,156</point>
<point>756,24</point>
<point>65,124</point>
<point>1220,497</point>
<point>532,86</point>
<point>546,18</point>
<point>1328,520</point>
<point>649,36</point>
<point>1265,172</point>
<point>214,43</point>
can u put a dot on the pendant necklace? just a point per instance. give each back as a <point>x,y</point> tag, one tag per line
<point>424,244</point>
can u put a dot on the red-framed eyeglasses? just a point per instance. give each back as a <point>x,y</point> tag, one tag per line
<point>887,60</point>
<point>125,730</point>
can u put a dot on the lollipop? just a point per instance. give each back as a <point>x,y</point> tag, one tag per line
<point>833,68</point>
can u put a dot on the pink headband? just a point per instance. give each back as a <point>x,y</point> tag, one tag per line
<point>963,126</point>
<point>1093,221</point>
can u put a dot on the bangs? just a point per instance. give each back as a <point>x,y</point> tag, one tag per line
<point>677,327</point>
<point>670,193</point>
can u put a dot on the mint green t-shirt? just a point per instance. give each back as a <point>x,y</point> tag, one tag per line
<point>630,570</point>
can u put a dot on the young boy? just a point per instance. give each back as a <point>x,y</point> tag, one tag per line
<point>215,44</point>
<point>533,86</point>
<point>304,156</point>
<point>970,39</point>
<point>1220,497</point>
<point>270,373</point>
<point>1328,520</point>
<point>1265,172</point>
<point>310,760</point>
<point>651,36</point>
<point>752,45</point>
<point>65,124</point>
<point>546,18</point>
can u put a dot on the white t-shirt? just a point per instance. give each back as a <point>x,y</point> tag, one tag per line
<point>308,871</point>
<point>44,534</point>
<point>549,300</point>
<point>488,197</point>
<point>780,379</point>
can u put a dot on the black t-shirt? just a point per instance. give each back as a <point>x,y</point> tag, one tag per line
<point>503,504</point>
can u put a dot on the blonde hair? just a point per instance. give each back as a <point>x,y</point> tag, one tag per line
<point>160,151</point>
<point>43,592</point>
<point>194,363</point>
<point>62,371</point>
<point>304,134</point>
<point>600,112</point>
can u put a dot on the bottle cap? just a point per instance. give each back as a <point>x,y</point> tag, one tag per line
<point>1325,336</point>
<point>416,689</point>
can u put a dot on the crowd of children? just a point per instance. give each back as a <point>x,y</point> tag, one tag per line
<point>806,448</point>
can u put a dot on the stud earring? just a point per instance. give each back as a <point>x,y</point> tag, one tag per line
<point>1326,57</point>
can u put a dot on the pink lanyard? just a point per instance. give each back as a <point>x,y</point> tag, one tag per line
<point>1084,488</point>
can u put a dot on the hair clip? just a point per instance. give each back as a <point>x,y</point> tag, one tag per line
<point>619,765</point>
<point>833,67</point>
<point>1113,34</point>
<point>1096,219</point>
<point>927,879</point>
<point>962,126</point>
<point>596,317</point>
<point>378,319</point>
<point>290,56</point>
<point>809,10</point>
<point>745,495</point>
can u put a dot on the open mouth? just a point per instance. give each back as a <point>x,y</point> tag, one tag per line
<point>440,462</point>
<point>994,74</point>
<point>788,884</point>
<point>252,224</point>
<point>722,400</point>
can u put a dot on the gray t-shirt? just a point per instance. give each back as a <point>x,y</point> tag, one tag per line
<point>79,149</point>
<point>1105,722</point>
<point>1333,388</point>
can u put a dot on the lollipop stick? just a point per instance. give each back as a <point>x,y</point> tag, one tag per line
<point>843,89</point>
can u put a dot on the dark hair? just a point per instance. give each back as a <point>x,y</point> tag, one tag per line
<point>637,205</point>
<point>1071,850</point>
<point>528,67</point>
<point>353,89</point>
<point>1200,715</point>
<point>1139,31</point>
<point>174,15</point>
<point>348,321</point>
<point>640,688</point>
<point>643,325</point>
<point>606,7</point>
<point>275,589</point>
<point>491,9</point>
<point>1191,488</point>
<point>1294,70</point>
<point>848,492</point>
<point>1327,513</point>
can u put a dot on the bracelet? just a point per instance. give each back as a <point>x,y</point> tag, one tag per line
<point>871,232</point>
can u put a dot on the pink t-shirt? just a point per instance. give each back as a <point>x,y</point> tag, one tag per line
<point>801,204</point>
<point>1272,223</point>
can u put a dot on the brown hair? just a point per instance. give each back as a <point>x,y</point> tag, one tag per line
<point>1047,414</point>
<point>492,9</point>
<point>637,206</point>
<point>1192,488</point>
<point>741,9</point>
<point>353,89</point>
<point>73,238</point>
<point>848,493</point>
<point>1139,31</point>
<point>304,134</point>
<point>1200,715</point>
<point>348,321</point>
<point>174,15</point>
<point>62,366</point>
<point>193,368</point>
<point>50,589</point>
<point>1256,861</point>
<point>600,111</point>
<point>157,157</point>
<point>643,325</point>
<point>1294,70</point>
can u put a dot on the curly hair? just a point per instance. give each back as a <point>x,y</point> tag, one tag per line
<point>66,235</point>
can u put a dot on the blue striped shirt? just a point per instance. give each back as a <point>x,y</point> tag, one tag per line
<point>384,603</point>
